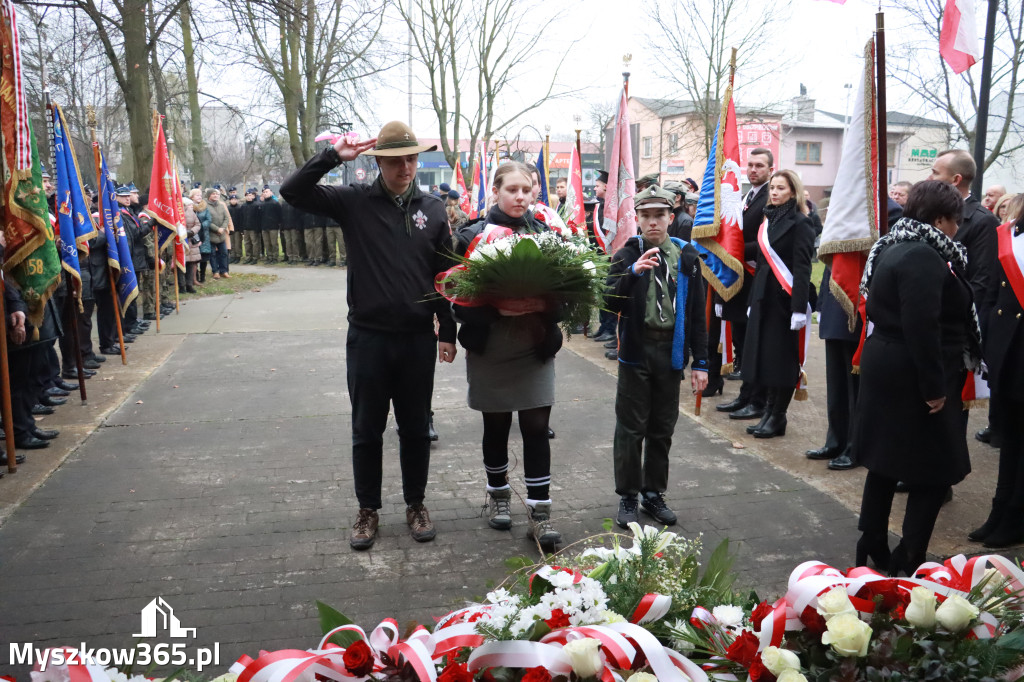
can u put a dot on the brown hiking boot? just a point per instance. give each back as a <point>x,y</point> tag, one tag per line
<point>364,530</point>
<point>420,526</point>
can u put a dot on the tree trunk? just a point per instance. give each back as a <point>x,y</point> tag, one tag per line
<point>136,94</point>
<point>196,114</point>
<point>156,73</point>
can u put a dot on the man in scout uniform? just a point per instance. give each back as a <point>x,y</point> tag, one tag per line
<point>656,287</point>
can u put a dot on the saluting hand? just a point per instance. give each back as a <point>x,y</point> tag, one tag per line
<point>348,151</point>
<point>646,261</point>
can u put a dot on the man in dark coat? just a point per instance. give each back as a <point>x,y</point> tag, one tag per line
<point>140,242</point>
<point>398,239</point>
<point>251,226</point>
<point>751,400</point>
<point>271,216</point>
<point>656,287</point>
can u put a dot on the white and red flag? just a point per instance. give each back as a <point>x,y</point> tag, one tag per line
<point>576,218</point>
<point>619,214</point>
<point>459,183</point>
<point>958,41</point>
<point>851,227</point>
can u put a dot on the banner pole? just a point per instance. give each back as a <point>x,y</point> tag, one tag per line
<point>177,289</point>
<point>5,389</point>
<point>883,144</point>
<point>156,235</point>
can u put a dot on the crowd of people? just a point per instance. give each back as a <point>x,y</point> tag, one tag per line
<point>943,295</point>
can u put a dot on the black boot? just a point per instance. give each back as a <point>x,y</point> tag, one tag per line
<point>1009,531</point>
<point>981,533</point>
<point>776,424</point>
<point>769,404</point>
<point>874,546</point>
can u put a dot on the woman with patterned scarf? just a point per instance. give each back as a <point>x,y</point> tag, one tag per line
<point>925,337</point>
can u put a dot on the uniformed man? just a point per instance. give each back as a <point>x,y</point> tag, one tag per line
<point>136,237</point>
<point>335,243</point>
<point>251,226</point>
<point>314,235</point>
<point>238,227</point>
<point>647,180</point>
<point>270,224</point>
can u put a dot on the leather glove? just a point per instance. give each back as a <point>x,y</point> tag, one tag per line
<point>798,321</point>
<point>718,310</point>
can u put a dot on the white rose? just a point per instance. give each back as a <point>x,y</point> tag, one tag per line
<point>585,656</point>
<point>642,677</point>
<point>848,635</point>
<point>956,613</point>
<point>921,611</point>
<point>835,602</point>
<point>779,660</point>
<point>728,616</point>
<point>791,676</point>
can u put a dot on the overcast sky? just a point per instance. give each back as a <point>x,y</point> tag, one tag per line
<point>822,48</point>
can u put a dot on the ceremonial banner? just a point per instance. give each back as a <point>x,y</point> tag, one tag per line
<point>958,41</point>
<point>119,255</point>
<point>619,216</point>
<point>164,193</point>
<point>74,214</point>
<point>179,212</point>
<point>475,175</point>
<point>482,188</point>
<point>31,261</point>
<point>851,226</point>
<point>459,183</point>
<point>718,222</point>
<point>576,216</point>
<point>542,171</point>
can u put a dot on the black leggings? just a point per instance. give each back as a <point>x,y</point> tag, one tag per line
<point>533,425</point>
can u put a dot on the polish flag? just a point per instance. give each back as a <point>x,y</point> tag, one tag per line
<point>459,183</point>
<point>577,217</point>
<point>958,42</point>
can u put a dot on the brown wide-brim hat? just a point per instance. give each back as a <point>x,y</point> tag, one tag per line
<point>397,139</point>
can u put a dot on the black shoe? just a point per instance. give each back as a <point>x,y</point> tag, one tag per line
<point>142,324</point>
<point>985,435</point>
<point>67,386</point>
<point>714,387</point>
<point>627,511</point>
<point>330,264</point>
<point>551,433</point>
<point>774,427</point>
<point>603,338</point>
<point>31,443</point>
<point>51,401</point>
<point>842,463</point>
<point>138,330</point>
<point>73,374</point>
<point>97,358</point>
<point>874,548</point>
<point>995,517</point>
<point>46,434</point>
<point>57,392</point>
<point>91,364</point>
<point>149,316</point>
<point>654,504</point>
<point>824,452</point>
<point>431,431</point>
<point>18,459</point>
<point>735,375</point>
<point>748,412</point>
<point>40,410</point>
<point>190,290</point>
<point>732,405</point>
<point>760,424</point>
<point>614,343</point>
<point>113,350</point>
<point>129,338</point>
<point>1009,531</point>
<point>612,354</point>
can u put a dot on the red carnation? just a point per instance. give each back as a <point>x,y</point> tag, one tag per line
<point>537,674</point>
<point>455,672</point>
<point>558,619</point>
<point>743,649</point>
<point>539,215</point>
<point>760,612</point>
<point>889,591</point>
<point>759,673</point>
<point>358,659</point>
<point>813,621</point>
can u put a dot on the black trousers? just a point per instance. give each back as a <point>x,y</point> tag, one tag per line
<point>646,411</point>
<point>923,505</point>
<point>1010,483</point>
<point>106,320</point>
<point>841,388</point>
<point>85,327</point>
<point>385,369</point>
<point>29,368</point>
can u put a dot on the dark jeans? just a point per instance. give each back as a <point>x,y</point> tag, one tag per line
<point>607,322</point>
<point>385,369</point>
<point>219,258</point>
<point>646,410</point>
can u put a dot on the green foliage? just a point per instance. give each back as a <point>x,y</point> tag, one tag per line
<point>331,618</point>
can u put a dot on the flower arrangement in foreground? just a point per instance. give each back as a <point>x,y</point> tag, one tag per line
<point>542,272</point>
<point>651,612</point>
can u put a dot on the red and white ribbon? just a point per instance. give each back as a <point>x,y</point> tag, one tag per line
<point>652,607</point>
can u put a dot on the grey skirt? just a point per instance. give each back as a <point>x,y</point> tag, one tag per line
<point>508,376</point>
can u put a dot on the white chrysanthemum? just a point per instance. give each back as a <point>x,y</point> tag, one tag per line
<point>728,616</point>
<point>560,579</point>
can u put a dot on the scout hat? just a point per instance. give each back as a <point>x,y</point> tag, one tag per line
<point>397,139</point>
<point>653,197</point>
<point>651,179</point>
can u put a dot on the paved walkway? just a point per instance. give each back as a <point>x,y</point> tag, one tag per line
<point>220,480</point>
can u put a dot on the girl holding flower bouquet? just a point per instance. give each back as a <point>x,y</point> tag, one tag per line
<point>510,364</point>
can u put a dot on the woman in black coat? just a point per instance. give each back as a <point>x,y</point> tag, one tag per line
<point>909,424</point>
<point>771,357</point>
<point>1004,352</point>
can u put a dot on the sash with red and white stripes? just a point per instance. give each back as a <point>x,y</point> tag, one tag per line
<point>1011,257</point>
<point>785,279</point>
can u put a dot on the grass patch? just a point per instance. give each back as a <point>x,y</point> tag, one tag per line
<point>239,282</point>
<point>817,272</point>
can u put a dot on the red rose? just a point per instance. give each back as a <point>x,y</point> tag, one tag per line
<point>889,591</point>
<point>537,674</point>
<point>358,659</point>
<point>558,619</point>
<point>760,612</point>
<point>539,215</point>
<point>813,621</point>
<point>759,673</point>
<point>743,649</point>
<point>455,672</point>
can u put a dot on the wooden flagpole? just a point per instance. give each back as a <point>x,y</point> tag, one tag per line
<point>5,386</point>
<point>99,200</point>
<point>156,233</point>
<point>177,289</point>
